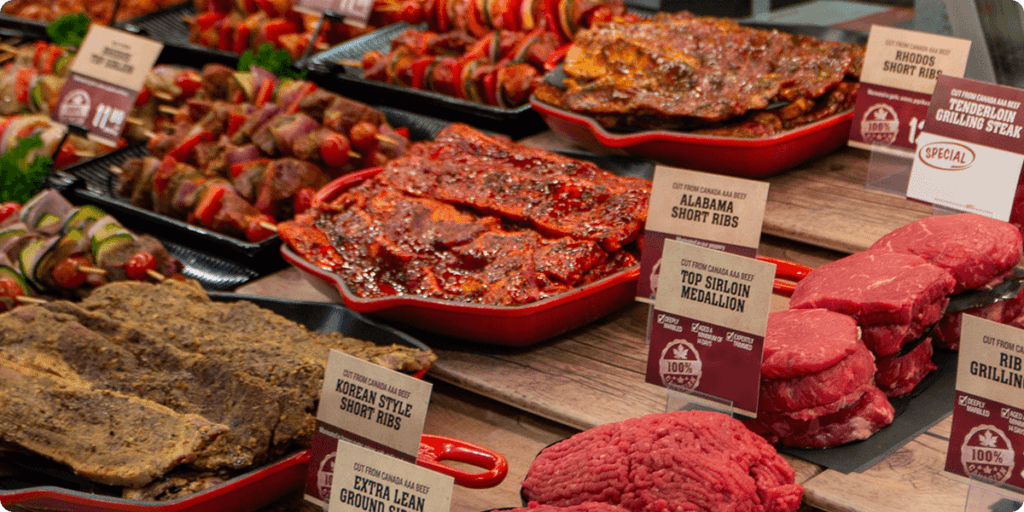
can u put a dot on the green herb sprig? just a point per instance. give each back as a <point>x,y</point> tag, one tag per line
<point>19,178</point>
<point>68,30</point>
<point>278,62</point>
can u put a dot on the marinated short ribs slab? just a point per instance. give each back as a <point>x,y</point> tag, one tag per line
<point>104,436</point>
<point>556,195</point>
<point>252,372</point>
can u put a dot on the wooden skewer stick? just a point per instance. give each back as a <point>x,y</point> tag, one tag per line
<point>353,154</point>
<point>135,121</point>
<point>167,109</point>
<point>8,48</point>
<point>166,96</point>
<point>116,170</point>
<point>349,62</point>
<point>155,275</point>
<point>269,226</point>
<point>84,153</point>
<point>91,270</point>
<point>385,139</point>
<point>6,57</point>
<point>29,300</point>
<point>149,134</point>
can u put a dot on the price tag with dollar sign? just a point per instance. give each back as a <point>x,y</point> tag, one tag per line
<point>104,80</point>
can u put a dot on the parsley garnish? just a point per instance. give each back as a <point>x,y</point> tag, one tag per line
<point>20,179</point>
<point>278,62</point>
<point>68,30</point>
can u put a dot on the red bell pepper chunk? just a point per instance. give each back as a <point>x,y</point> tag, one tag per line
<point>419,69</point>
<point>235,121</point>
<point>37,55</point>
<point>243,35</point>
<point>184,148</point>
<point>226,41</point>
<point>65,156</point>
<point>556,56</point>
<point>490,86</point>
<point>163,175</point>
<point>143,97</point>
<point>206,20</point>
<point>265,94</point>
<point>23,83</point>
<point>209,205</point>
<point>276,28</point>
<point>236,170</point>
<point>403,131</point>
<point>189,82</point>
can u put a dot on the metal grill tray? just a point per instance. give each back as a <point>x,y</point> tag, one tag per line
<point>517,122</point>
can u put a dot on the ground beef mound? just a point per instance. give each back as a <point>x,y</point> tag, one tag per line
<point>679,461</point>
<point>899,375</point>
<point>807,341</point>
<point>973,248</point>
<point>590,506</point>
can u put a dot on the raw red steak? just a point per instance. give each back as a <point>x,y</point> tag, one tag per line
<point>886,340</point>
<point>875,287</point>
<point>802,341</point>
<point>898,376</point>
<point>947,333</point>
<point>679,461</point>
<point>816,389</point>
<point>973,248</point>
<point>872,412</point>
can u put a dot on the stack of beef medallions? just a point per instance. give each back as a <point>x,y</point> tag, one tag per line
<point>978,251</point>
<point>817,387</point>
<point>894,292</point>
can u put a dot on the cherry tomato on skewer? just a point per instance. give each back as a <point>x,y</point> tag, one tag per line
<point>138,266</point>
<point>67,274</point>
<point>9,208</point>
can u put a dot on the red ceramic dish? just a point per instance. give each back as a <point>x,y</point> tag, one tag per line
<point>736,156</point>
<point>251,491</point>
<point>497,325</point>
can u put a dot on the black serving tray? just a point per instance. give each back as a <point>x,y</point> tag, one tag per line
<point>222,262</point>
<point>516,122</point>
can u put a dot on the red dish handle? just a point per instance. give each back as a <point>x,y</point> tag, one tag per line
<point>788,270</point>
<point>434,449</point>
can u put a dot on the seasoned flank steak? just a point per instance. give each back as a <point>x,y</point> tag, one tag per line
<point>683,460</point>
<point>233,385</point>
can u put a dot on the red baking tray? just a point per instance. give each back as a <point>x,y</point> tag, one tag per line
<point>736,156</point>
<point>261,487</point>
<point>498,325</point>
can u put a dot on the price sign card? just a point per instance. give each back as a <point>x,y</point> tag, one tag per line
<point>356,12</point>
<point>104,80</point>
<point>365,480</point>
<point>970,155</point>
<point>369,405</point>
<point>896,84</point>
<point>710,318</point>
<point>708,210</point>
<point>986,443</point>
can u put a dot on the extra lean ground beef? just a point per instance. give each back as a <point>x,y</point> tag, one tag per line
<point>891,295</point>
<point>974,249</point>
<point>678,461</point>
<point>590,506</point>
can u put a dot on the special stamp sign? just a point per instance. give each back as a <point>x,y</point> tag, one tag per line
<point>969,157</point>
<point>900,71</point>
<point>710,317</point>
<point>104,80</point>
<point>987,437</point>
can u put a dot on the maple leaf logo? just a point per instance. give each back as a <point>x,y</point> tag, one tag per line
<point>880,114</point>
<point>987,440</point>
<point>680,352</point>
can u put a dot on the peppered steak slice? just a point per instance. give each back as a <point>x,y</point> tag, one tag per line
<point>975,249</point>
<point>104,436</point>
<point>823,387</point>
<point>804,341</point>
